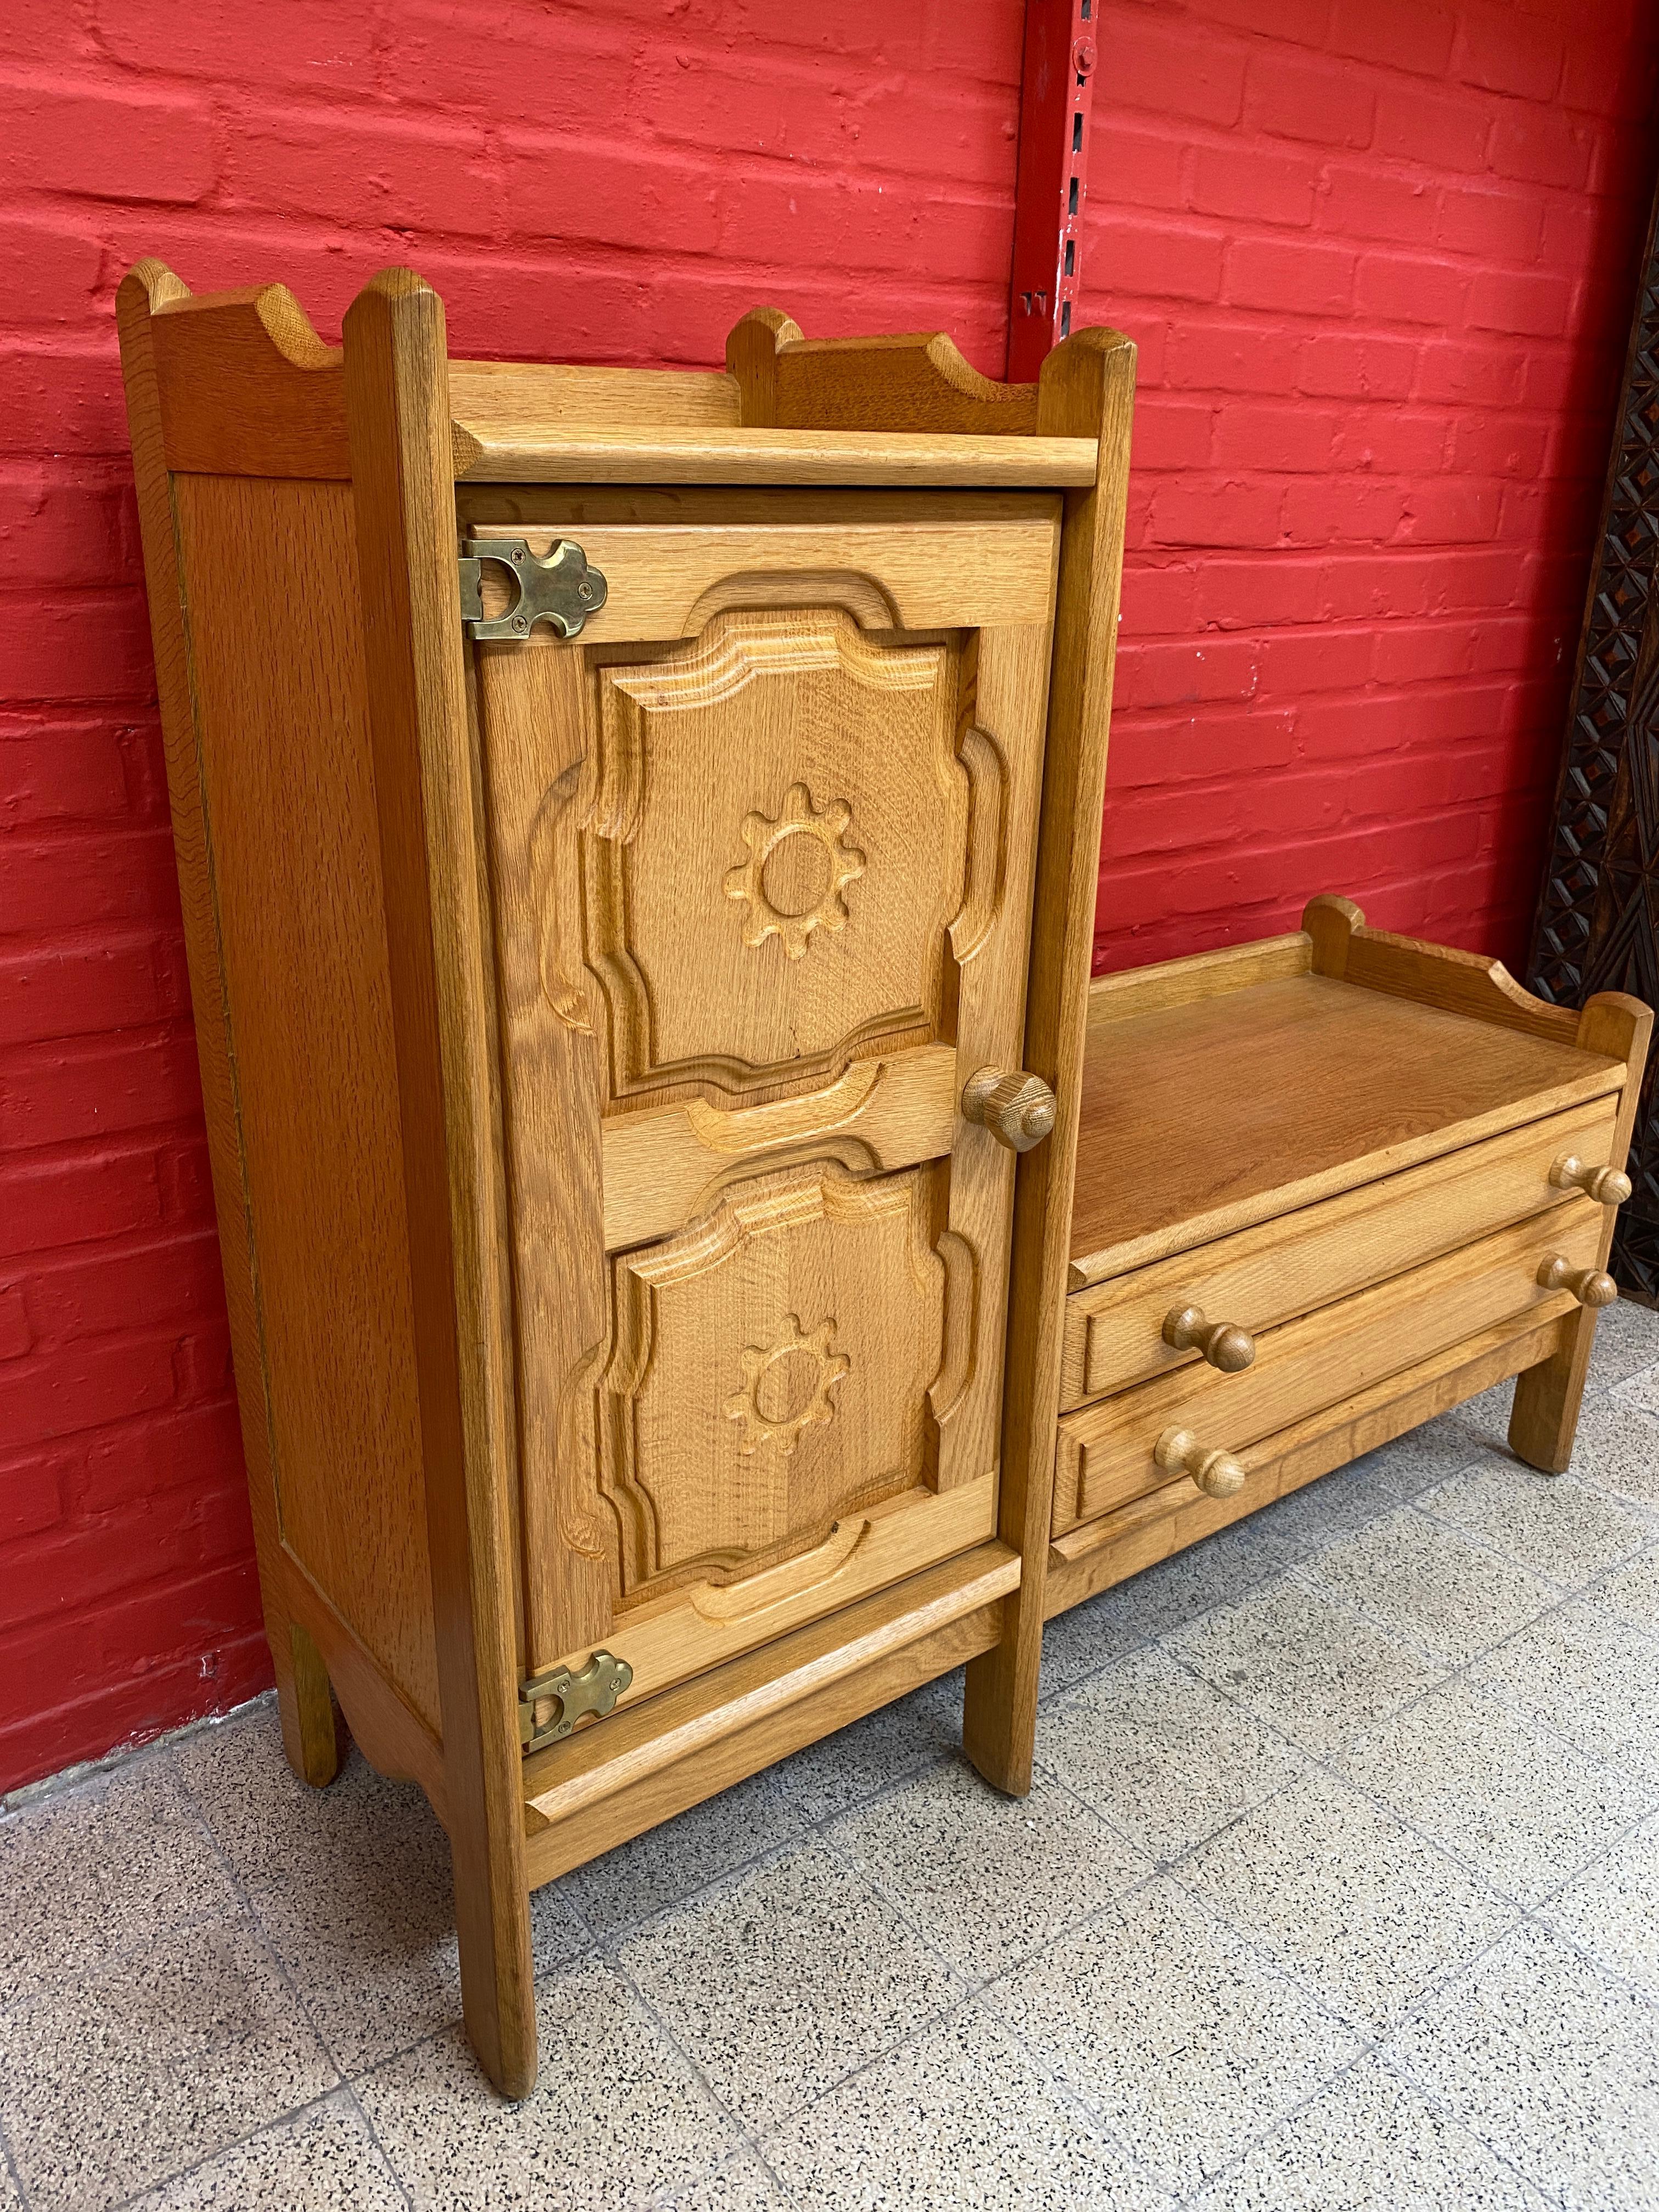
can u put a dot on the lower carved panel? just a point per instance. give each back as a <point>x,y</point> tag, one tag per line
<point>775,1368</point>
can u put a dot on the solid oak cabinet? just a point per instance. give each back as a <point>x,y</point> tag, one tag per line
<point>702,1258</point>
<point>640,953</point>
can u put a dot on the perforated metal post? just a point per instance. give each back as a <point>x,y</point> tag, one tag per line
<point>1056,98</point>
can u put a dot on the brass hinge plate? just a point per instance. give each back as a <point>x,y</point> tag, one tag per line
<point>550,1704</point>
<point>560,588</point>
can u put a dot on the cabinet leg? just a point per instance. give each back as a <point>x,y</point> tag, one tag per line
<point>498,1994</point>
<point>999,1717</point>
<point>1545,1418</point>
<point>311,1721</point>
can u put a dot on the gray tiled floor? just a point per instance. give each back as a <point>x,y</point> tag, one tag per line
<point>1338,1888</point>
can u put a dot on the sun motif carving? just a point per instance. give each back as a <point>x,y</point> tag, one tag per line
<point>822,907</point>
<point>798,1401</point>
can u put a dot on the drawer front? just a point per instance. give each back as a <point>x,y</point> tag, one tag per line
<point>762,859</point>
<point>1267,1275</point>
<point>1106,1450</point>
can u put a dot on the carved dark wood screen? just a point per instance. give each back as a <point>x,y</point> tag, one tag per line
<point>1598,917</point>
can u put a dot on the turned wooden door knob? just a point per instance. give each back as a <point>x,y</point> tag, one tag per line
<point>1018,1109</point>
<point>1178,1451</point>
<point>1605,1185</point>
<point>1222,1343</point>
<point>1588,1284</point>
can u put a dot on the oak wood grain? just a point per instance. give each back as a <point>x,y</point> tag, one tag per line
<point>967,571</point>
<point>439,934</point>
<point>279,682</point>
<point>1544,1419</point>
<point>1326,1085</point>
<point>1107,1449</point>
<point>308,1742</point>
<point>1114,1329</point>
<point>685,1723</point>
<point>1086,387</point>
<point>1098,1553</point>
<point>527,449</point>
<point>763,903</point>
<point>884,1672</point>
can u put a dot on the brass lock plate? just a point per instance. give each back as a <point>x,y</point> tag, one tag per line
<point>550,1704</point>
<point>560,588</point>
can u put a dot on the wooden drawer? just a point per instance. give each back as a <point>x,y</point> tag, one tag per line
<point>1271,1274</point>
<point>1105,1450</point>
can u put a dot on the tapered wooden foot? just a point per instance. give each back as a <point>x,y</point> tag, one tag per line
<point>1544,1421</point>
<point>313,1734</point>
<point>498,1994</point>
<point>999,1717</point>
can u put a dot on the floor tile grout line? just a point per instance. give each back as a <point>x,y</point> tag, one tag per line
<point>726,2111</point>
<point>342,2081</point>
<point>8,2161</point>
<point>1452,1671</point>
<point>1433,2094</point>
<point>1265,1962</point>
<point>208,2158</point>
<point>266,1937</point>
<point>350,2089</point>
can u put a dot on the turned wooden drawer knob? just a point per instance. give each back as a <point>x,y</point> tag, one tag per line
<point>1018,1109</point>
<point>1222,1343</point>
<point>1605,1185</point>
<point>1179,1452</point>
<point>1588,1284</point>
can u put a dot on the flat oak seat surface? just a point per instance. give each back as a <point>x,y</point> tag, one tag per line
<point>1203,1118</point>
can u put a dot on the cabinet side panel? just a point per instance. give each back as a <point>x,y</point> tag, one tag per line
<point>276,667</point>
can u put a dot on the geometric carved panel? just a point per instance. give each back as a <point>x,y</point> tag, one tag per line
<point>773,833</point>
<point>779,1363</point>
<point>1598,916</point>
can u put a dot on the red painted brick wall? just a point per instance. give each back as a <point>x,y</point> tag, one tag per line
<point>616,183</point>
<point>1378,258</point>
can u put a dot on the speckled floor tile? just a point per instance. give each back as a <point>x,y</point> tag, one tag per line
<point>1162,1754</point>
<point>1520,1808</point>
<point>1430,1584</point>
<point>11,2198</point>
<point>959,2118</point>
<point>659,1867</point>
<point>1415,1462</point>
<point>1313,1669</point>
<point>1486,1418</point>
<point>322,2159</point>
<point>351,1886</point>
<point>1348,1498</point>
<point>1539,2051</point>
<point>1549,1523</point>
<point>1631,1592</point>
<point>860,1762</point>
<point>741,2183</point>
<point>163,2058</point>
<point>1223,1568</point>
<point>1617,1449</point>
<point>785,1977</point>
<point>617,2118</point>
<point>1588,1677</point>
<point>1079,1643</point>
<point>1370,2143</point>
<point>1626,1341</point>
<point>982,1878</point>
<point>1179,2038</point>
<point>102,1869</point>
<point>1612,1908</point>
<point>1367,1913</point>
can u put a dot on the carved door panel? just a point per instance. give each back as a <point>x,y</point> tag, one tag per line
<point>761,842</point>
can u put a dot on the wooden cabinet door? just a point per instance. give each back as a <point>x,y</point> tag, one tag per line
<point>762,840</point>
